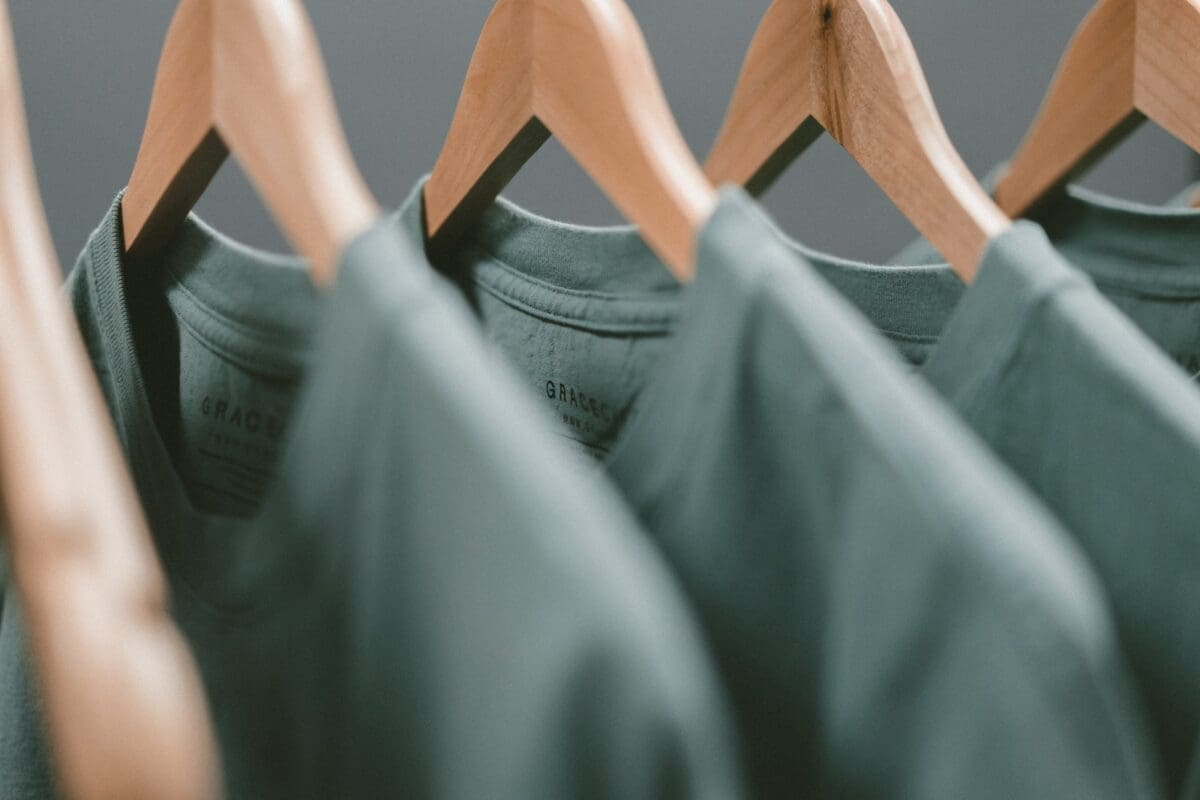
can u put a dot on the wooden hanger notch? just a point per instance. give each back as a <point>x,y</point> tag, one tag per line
<point>847,67</point>
<point>580,70</point>
<point>247,76</point>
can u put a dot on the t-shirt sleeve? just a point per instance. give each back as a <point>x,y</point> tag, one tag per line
<point>880,591</point>
<point>1107,430</point>
<point>965,635</point>
<point>545,651</point>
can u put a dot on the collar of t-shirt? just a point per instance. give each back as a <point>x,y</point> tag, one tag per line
<point>260,313</point>
<point>603,281</point>
<point>606,280</point>
<point>1119,243</point>
<point>1142,258</point>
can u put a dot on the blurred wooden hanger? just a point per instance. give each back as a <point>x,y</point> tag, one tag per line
<point>578,69</point>
<point>246,76</point>
<point>848,67</point>
<point>1129,60</point>
<point>124,708</point>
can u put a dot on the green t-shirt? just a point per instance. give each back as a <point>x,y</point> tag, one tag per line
<point>891,613</point>
<point>1144,259</point>
<point>1083,407</point>
<point>392,581</point>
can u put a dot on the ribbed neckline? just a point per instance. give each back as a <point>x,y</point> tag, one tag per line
<point>1140,250</point>
<point>1148,251</point>
<point>912,303</point>
<point>605,279</point>
<point>963,330</point>
<point>231,566</point>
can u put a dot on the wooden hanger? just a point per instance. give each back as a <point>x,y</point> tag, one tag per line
<point>578,69</point>
<point>848,67</point>
<point>124,708</point>
<point>247,76</point>
<point>1128,61</point>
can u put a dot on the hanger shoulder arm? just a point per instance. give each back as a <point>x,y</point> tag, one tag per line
<point>246,76</point>
<point>882,112</point>
<point>773,116</point>
<point>123,704</point>
<point>494,130</point>
<point>274,109</point>
<point>180,152</point>
<point>124,707</point>
<point>849,68</point>
<point>578,70</point>
<point>598,93</point>
<point>1089,107</point>
<point>1167,68</point>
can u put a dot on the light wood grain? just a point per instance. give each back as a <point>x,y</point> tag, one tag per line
<point>1129,60</point>
<point>847,67</point>
<point>123,705</point>
<point>1090,99</point>
<point>580,70</point>
<point>247,76</point>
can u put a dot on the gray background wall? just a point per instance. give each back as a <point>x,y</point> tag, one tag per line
<point>396,67</point>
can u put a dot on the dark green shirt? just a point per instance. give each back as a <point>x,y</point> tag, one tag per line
<point>1047,365</point>
<point>392,580</point>
<point>1144,259</point>
<point>893,615</point>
